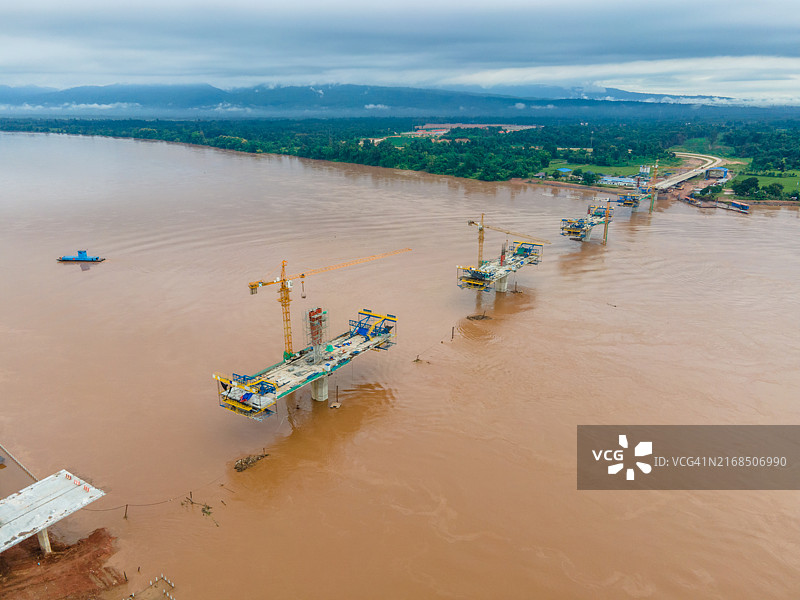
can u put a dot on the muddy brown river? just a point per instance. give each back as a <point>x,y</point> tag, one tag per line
<point>450,477</point>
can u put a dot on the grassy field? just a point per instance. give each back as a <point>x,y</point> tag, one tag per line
<point>399,140</point>
<point>789,183</point>
<point>701,146</point>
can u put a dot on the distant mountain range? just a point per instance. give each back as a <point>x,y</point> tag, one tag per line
<point>536,102</point>
<point>552,92</point>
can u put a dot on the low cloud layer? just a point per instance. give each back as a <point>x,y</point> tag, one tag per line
<point>717,48</point>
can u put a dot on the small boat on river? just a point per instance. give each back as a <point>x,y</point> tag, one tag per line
<point>82,257</point>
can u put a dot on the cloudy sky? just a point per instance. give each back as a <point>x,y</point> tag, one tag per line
<point>714,47</point>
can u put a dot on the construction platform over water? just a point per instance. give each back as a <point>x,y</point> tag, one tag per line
<point>631,200</point>
<point>494,273</point>
<point>255,395</point>
<point>581,229</point>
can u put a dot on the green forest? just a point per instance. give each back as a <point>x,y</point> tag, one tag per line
<point>773,147</point>
<point>487,154</point>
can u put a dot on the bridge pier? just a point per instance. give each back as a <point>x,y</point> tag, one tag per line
<point>501,285</point>
<point>319,389</point>
<point>44,541</point>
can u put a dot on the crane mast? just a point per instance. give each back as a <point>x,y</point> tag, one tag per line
<point>653,190</point>
<point>285,288</point>
<point>482,226</point>
<point>284,299</point>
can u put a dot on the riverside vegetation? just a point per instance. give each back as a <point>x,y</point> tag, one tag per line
<point>771,149</point>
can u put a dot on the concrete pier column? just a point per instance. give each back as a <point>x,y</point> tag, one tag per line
<point>501,285</point>
<point>44,541</point>
<point>319,389</point>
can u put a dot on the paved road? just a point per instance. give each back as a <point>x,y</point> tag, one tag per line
<point>709,162</point>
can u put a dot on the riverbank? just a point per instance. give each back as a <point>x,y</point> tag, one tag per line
<point>752,202</point>
<point>76,572</point>
<point>564,184</point>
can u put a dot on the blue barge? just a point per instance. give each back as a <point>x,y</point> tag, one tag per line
<point>82,257</point>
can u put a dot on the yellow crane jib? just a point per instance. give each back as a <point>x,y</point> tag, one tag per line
<point>482,226</point>
<point>285,285</point>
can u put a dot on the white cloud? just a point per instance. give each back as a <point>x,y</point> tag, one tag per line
<point>737,77</point>
<point>714,48</point>
<point>69,107</point>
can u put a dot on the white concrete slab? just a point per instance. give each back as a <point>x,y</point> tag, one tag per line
<point>41,505</point>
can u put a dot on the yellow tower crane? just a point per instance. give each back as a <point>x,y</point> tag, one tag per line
<point>653,190</point>
<point>481,226</point>
<point>286,286</point>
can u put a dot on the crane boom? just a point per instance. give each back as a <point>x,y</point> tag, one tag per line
<point>519,235</point>
<point>481,226</point>
<point>254,285</point>
<point>285,287</point>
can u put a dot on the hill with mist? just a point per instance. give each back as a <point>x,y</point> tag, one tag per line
<point>522,103</point>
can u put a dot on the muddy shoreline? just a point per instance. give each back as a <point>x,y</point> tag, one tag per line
<point>74,571</point>
<point>564,184</point>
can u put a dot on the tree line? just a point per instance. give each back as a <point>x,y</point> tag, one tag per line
<point>487,154</point>
<point>750,188</point>
<point>772,146</point>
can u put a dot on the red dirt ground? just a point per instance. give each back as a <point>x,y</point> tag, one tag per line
<point>74,572</point>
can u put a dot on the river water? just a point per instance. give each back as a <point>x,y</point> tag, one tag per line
<point>450,477</point>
